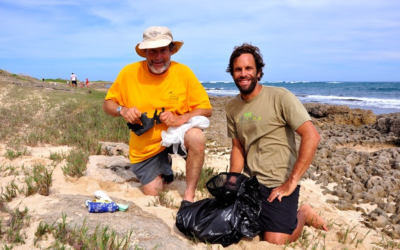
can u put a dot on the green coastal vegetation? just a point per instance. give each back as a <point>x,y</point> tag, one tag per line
<point>75,118</point>
<point>58,115</point>
<point>32,116</point>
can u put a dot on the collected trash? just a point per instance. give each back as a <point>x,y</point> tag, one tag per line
<point>225,219</point>
<point>102,196</point>
<point>103,204</point>
<point>101,207</point>
<point>175,135</point>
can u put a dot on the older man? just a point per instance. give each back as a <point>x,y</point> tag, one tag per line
<point>171,92</point>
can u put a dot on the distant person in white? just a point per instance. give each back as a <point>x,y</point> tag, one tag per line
<point>73,80</point>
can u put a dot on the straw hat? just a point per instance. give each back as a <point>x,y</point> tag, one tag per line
<point>156,37</point>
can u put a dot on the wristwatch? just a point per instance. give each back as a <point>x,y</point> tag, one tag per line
<point>119,110</point>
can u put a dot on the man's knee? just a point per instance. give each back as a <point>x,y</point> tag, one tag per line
<point>154,187</point>
<point>277,238</point>
<point>195,137</point>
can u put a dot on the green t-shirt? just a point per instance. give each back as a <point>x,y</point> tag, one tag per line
<point>265,126</point>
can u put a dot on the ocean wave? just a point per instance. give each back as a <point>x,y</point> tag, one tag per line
<point>213,89</point>
<point>215,82</point>
<point>222,92</point>
<point>359,101</point>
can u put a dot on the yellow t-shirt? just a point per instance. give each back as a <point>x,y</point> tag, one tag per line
<point>178,90</point>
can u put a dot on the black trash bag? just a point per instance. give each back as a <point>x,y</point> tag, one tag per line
<point>225,219</point>
<point>147,123</point>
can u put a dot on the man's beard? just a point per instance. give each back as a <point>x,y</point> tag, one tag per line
<point>250,88</point>
<point>159,71</point>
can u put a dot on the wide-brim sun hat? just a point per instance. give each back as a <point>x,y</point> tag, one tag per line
<point>156,37</point>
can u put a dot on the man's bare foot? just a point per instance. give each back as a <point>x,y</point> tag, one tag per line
<point>189,196</point>
<point>312,218</point>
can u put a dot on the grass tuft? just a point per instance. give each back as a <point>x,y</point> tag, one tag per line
<point>13,154</point>
<point>57,157</point>
<point>76,165</point>
<point>80,238</point>
<point>205,176</point>
<point>11,232</point>
<point>39,182</point>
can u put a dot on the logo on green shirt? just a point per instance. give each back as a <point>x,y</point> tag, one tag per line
<point>249,117</point>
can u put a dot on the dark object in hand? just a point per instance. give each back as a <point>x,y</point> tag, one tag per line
<point>157,117</point>
<point>147,123</point>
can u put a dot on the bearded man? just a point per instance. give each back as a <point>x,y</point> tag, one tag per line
<point>170,91</point>
<point>262,122</point>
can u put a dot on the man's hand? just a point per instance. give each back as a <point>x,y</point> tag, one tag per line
<point>170,119</point>
<point>283,190</point>
<point>131,115</point>
<point>308,145</point>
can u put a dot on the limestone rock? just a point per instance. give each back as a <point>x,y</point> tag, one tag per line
<point>110,168</point>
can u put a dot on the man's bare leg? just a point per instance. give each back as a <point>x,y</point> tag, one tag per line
<point>153,187</point>
<point>195,145</point>
<point>305,216</point>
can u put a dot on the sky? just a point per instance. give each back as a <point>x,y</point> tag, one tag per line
<point>300,40</point>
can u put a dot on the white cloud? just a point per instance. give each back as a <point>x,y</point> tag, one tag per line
<point>311,32</point>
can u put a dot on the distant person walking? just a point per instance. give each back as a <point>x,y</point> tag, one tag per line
<point>87,83</point>
<point>73,80</point>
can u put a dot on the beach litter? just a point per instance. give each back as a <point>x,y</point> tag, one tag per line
<point>103,204</point>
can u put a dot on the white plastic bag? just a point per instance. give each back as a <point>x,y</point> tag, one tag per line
<point>175,135</point>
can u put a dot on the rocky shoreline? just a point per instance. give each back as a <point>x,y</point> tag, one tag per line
<point>363,160</point>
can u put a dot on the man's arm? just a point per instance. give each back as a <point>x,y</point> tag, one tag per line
<point>131,115</point>
<point>110,107</point>
<point>237,157</point>
<point>173,120</point>
<point>308,145</point>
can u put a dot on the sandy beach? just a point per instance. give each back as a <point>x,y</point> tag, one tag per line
<point>353,183</point>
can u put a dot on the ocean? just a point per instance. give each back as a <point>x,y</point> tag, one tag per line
<point>380,97</point>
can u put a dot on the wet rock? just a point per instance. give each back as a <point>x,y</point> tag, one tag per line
<point>396,164</point>
<point>340,114</point>
<point>395,219</point>
<point>342,194</point>
<point>381,221</point>
<point>376,192</point>
<point>355,188</point>
<point>362,175</point>
<point>378,218</point>
<point>388,123</point>
<point>393,231</point>
<point>342,205</point>
<point>366,198</point>
<point>387,207</point>
<point>373,182</point>
<point>353,159</point>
